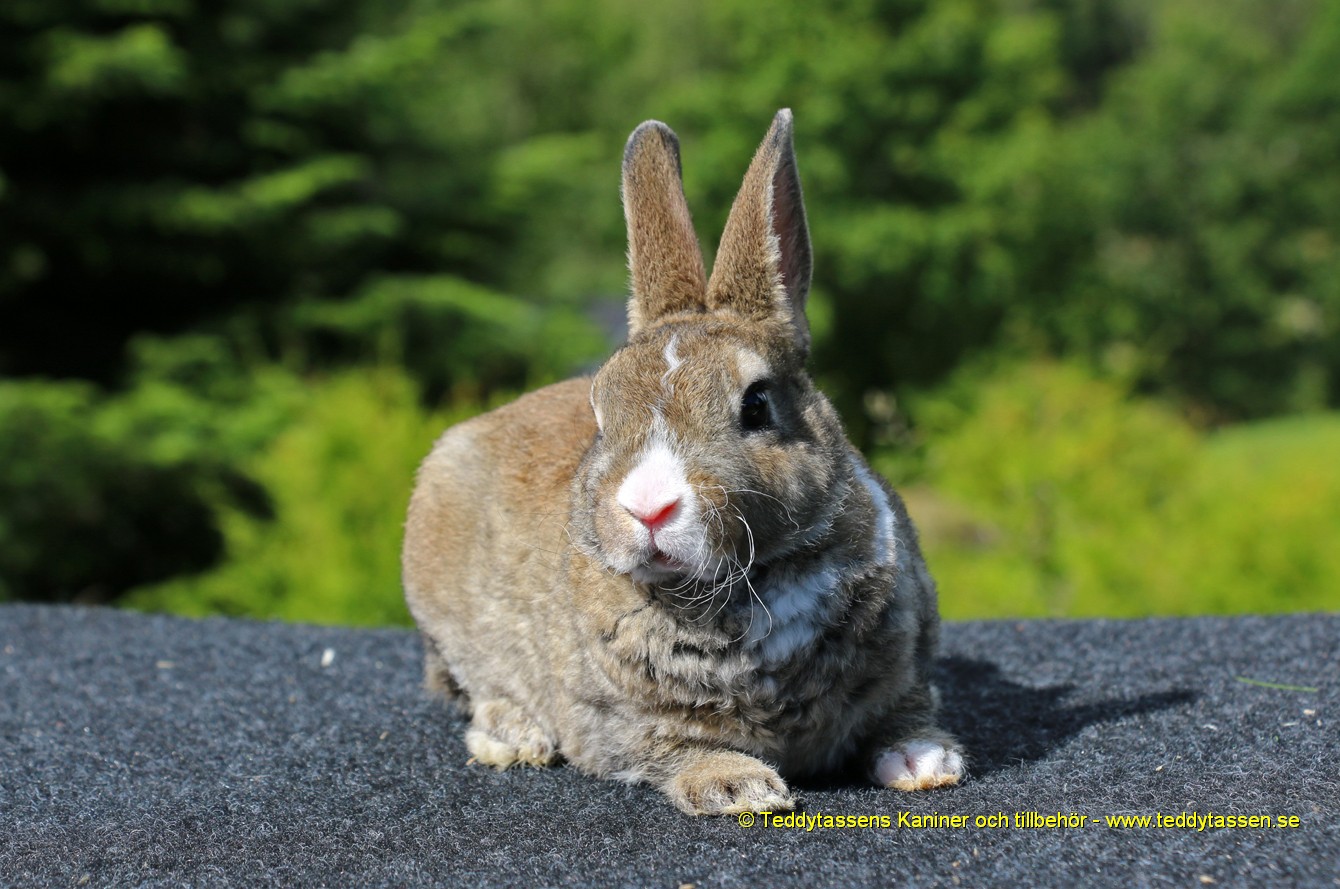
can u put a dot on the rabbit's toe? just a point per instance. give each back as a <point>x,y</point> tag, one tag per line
<point>917,765</point>
<point>728,784</point>
<point>502,735</point>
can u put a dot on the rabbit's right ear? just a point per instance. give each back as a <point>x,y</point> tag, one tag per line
<point>664,259</point>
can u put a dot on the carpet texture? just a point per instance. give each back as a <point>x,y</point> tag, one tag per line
<point>149,750</point>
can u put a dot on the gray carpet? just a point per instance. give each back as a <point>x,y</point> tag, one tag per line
<point>146,750</point>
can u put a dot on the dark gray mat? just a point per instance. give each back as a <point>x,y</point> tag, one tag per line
<point>154,750</point>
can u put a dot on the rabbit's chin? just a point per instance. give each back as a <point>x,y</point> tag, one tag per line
<point>658,567</point>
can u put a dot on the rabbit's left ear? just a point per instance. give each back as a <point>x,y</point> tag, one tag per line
<point>763,266</point>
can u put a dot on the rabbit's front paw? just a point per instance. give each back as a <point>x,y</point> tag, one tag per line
<point>917,764</point>
<point>502,735</point>
<point>728,783</point>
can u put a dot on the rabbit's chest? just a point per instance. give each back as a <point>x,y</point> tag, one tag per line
<point>763,678</point>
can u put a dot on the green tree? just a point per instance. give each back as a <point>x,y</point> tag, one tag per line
<point>1189,238</point>
<point>167,162</point>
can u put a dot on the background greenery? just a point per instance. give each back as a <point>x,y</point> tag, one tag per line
<point>1077,276</point>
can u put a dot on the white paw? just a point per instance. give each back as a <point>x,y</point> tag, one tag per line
<point>917,765</point>
<point>489,750</point>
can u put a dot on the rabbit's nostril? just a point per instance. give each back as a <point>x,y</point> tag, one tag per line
<point>655,516</point>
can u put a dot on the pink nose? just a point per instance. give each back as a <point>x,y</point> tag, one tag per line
<point>654,516</point>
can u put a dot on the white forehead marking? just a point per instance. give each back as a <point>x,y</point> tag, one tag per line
<point>751,365</point>
<point>672,363</point>
<point>660,431</point>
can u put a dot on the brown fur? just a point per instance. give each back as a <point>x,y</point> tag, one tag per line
<point>789,624</point>
<point>663,256</point>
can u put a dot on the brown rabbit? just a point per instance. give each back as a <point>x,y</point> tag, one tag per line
<point>679,571</point>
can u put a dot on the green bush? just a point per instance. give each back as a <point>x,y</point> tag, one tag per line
<point>102,493</point>
<point>84,514</point>
<point>339,477</point>
<point>457,339</point>
<point>1260,516</point>
<point>1048,492</point>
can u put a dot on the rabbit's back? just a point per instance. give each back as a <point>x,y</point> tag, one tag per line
<point>486,528</point>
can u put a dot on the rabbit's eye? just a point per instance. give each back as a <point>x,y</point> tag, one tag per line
<point>754,411</point>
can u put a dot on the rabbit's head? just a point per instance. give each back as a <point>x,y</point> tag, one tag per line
<point>715,454</point>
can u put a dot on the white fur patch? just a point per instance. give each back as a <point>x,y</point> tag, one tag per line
<point>779,645</point>
<point>795,606</point>
<point>672,361</point>
<point>659,480</point>
<point>917,765</point>
<point>751,366</point>
<point>600,422</point>
<point>885,540</point>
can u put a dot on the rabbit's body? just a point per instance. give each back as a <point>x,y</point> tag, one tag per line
<point>680,571</point>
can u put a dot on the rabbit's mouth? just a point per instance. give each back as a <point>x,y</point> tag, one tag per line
<point>659,566</point>
<point>667,562</point>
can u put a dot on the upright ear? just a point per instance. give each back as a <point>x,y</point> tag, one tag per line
<point>763,267</point>
<point>664,258</point>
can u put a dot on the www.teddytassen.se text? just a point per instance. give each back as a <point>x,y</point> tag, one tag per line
<point>1027,820</point>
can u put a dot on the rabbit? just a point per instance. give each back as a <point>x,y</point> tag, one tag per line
<point>678,571</point>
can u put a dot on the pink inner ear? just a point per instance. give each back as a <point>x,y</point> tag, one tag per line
<point>783,208</point>
<point>792,233</point>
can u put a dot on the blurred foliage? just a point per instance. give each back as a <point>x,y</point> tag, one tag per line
<point>99,494</point>
<point>1048,492</point>
<point>102,494</point>
<point>105,519</point>
<point>1187,234</point>
<point>456,338</point>
<point>171,162</point>
<point>229,230</point>
<point>340,477</point>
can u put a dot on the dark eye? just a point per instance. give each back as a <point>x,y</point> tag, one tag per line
<point>754,411</point>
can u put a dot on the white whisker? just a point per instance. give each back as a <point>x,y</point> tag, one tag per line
<point>790,518</point>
